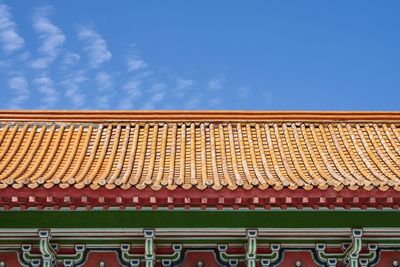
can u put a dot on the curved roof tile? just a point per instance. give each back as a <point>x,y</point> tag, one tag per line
<point>230,153</point>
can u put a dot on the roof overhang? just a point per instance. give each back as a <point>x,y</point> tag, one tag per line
<point>233,159</point>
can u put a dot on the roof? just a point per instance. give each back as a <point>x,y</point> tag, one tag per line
<point>203,150</point>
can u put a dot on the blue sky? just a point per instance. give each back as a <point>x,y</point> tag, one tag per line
<point>261,55</point>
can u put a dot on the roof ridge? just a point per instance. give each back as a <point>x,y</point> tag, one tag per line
<point>199,115</point>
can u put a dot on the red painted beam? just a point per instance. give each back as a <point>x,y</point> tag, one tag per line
<point>240,198</point>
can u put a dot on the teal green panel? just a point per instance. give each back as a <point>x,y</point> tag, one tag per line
<point>140,219</point>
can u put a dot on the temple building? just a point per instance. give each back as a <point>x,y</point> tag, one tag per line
<point>203,188</point>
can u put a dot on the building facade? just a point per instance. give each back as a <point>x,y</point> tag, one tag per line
<point>205,188</point>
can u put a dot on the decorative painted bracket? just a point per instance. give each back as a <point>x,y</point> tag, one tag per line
<point>353,251</point>
<point>266,259</point>
<point>168,260</point>
<point>331,259</point>
<point>271,258</point>
<point>351,256</point>
<point>149,253</point>
<point>232,260</point>
<point>251,250</point>
<point>371,256</point>
<point>35,260</point>
<point>27,258</point>
<point>49,257</point>
<point>73,260</point>
<point>132,260</point>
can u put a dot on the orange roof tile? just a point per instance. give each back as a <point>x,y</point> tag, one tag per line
<point>200,149</point>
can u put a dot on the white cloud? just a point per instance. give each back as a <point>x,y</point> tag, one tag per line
<point>156,94</point>
<point>193,102</point>
<point>51,37</point>
<point>143,74</point>
<point>95,46</point>
<point>133,91</point>
<point>184,83</point>
<point>182,86</point>
<point>125,104</point>
<point>104,81</point>
<point>135,63</point>
<point>104,84</point>
<point>70,58</point>
<point>46,88</point>
<point>5,64</point>
<point>103,102</point>
<point>216,85</point>
<point>19,86</point>
<point>73,92</point>
<point>133,88</point>
<point>23,56</point>
<point>10,39</point>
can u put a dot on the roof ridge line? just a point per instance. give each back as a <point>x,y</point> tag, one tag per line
<point>200,115</point>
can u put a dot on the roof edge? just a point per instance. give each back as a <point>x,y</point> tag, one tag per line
<point>200,115</point>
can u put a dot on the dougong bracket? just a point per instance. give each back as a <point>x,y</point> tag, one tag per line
<point>353,252</point>
<point>149,253</point>
<point>48,254</point>
<point>251,252</point>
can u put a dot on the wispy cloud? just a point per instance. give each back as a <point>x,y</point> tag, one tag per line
<point>157,93</point>
<point>133,87</point>
<point>215,87</point>
<point>19,87</point>
<point>133,91</point>
<point>183,86</point>
<point>51,37</point>
<point>45,87</point>
<point>72,85</point>
<point>10,39</point>
<point>193,102</point>
<point>104,84</point>
<point>216,84</point>
<point>95,46</point>
<point>135,63</point>
<point>104,81</point>
<point>69,77</point>
<point>70,58</point>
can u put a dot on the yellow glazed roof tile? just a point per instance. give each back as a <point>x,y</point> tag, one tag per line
<point>238,150</point>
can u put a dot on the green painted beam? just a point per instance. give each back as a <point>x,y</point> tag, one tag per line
<point>242,219</point>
